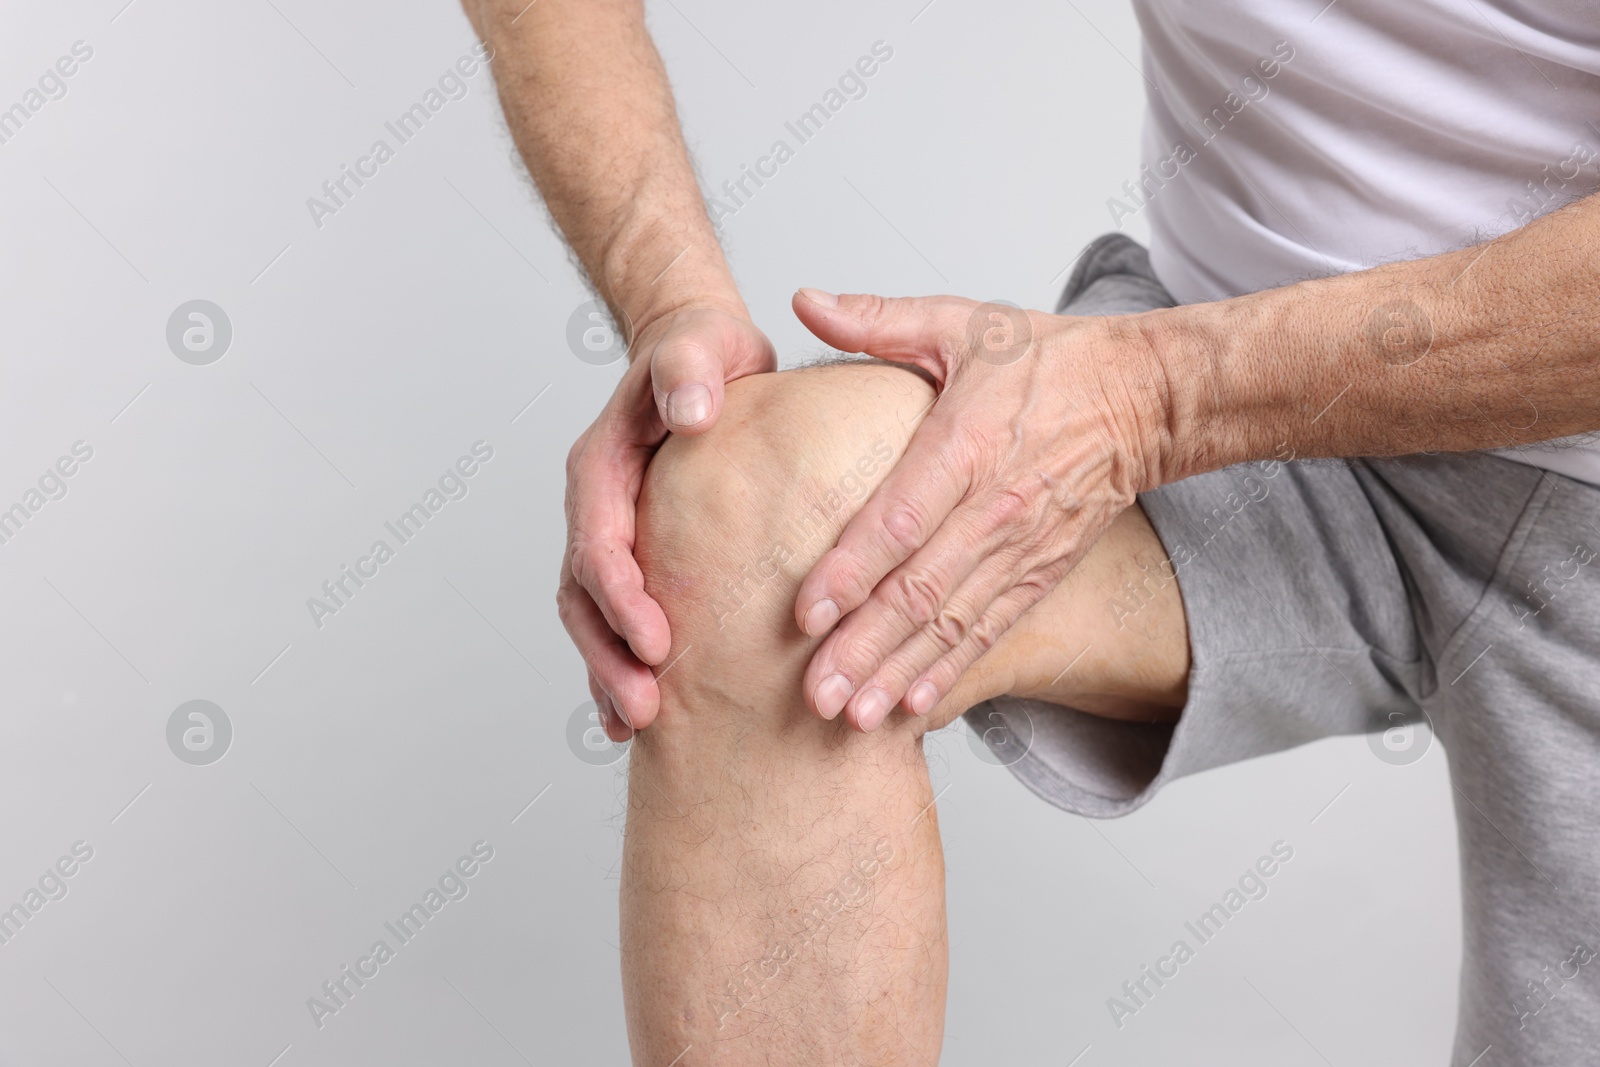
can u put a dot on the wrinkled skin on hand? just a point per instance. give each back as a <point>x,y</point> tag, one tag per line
<point>1044,430</point>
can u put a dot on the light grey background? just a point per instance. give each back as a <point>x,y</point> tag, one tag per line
<point>425,716</point>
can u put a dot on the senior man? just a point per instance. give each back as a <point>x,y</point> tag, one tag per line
<point>1294,473</point>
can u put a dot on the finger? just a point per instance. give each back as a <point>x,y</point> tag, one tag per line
<point>908,506</point>
<point>628,684</point>
<point>904,329</point>
<point>888,661</point>
<point>603,477</point>
<point>611,576</point>
<point>938,680</point>
<point>974,557</point>
<point>687,369</point>
<point>611,722</point>
<point>915,595</point>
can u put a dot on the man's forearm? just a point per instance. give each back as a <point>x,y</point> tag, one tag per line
<point>590,108</point>
<point>1487,347</point>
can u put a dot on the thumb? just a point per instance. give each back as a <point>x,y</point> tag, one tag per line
<point>686,372</point>
<point>904,329</point>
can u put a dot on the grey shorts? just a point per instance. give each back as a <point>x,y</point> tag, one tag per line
<point>1449,595</point>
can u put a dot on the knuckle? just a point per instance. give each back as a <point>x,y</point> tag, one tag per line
<point>906,524</point>
<point>1038,583</point>
<point>954,346</point>
<point>984,634</point>
<point>578,559</point>
<point>679,354</point>
<point>896,675</point>
<point>1009,506</point>
<point>966,448</point>
<point>874,313</point>
<point>575,457</point>
<point>950,628</point>
<point>916,598</point>
<point>980,455</point>
<point>588,561</point>
<point>848,586</point>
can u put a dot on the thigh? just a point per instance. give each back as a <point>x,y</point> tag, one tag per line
<point>1515,696</point>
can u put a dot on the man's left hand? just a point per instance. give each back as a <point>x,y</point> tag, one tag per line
<point>1044,429</point>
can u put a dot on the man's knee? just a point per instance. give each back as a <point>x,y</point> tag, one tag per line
<point>731,520</point>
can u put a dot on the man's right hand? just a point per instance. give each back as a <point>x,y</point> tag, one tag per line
<point>681,362</point>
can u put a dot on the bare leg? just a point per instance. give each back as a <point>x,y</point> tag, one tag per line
<point>783,884</point>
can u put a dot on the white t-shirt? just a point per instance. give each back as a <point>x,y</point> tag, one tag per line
<point>1285,141</point>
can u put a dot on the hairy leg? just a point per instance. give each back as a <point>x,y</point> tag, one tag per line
<point>783,885</point>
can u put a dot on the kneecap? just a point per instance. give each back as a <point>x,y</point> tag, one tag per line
<point>730,521</point>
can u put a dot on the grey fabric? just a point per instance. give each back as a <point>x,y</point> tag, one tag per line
<point>1455,593</point>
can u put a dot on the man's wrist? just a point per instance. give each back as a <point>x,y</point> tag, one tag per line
<point>663,307</point>
<point>656,266</point>
<point>1364,363</point>
<point>1208,405</point>
<point>1297,370</point>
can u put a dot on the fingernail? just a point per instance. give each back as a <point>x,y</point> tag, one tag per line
<point>819,296</point>
<point>820,616</point>
<point>605,709</point>
<point>688,404</point>
<point>873,708</point>
<point>832,694</point>
<point>621,714</point>
<point>921,699</point>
